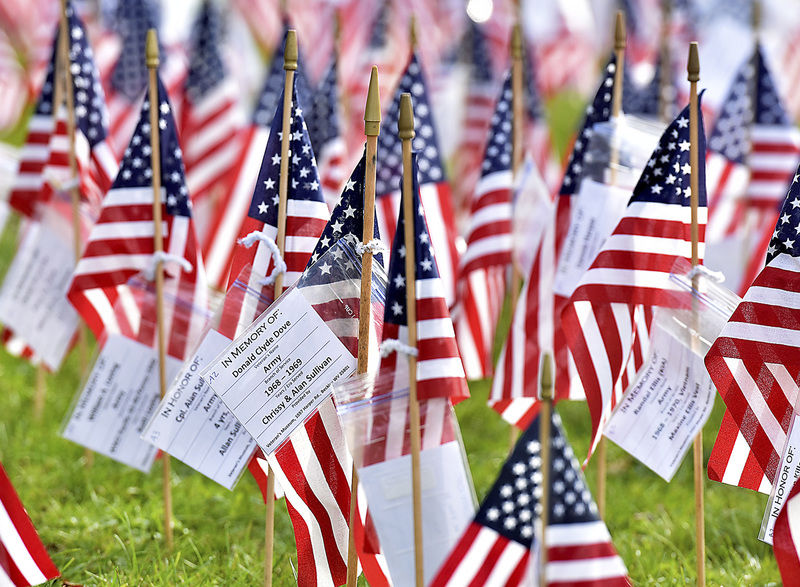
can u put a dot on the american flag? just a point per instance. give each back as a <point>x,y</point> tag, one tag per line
<point>23,558</point>
<point>326,136</point>
<point>97,165</point>
<point>434,189</point>
<point>496,547</point>
<point>314,466</point>
<point>210,117</point>
<point>226,220</point>
<point>639,99</point>
<point>753,152</point>
<point>536,326</point>
<point>121,242</point>
<point>606,320</point>
<point>482,275</point>
<point>537,140</point>
<point>440,372</point>
<point>478,107</point>
<point>306,210</point>
<point>754,364</point>
<point>785,541</point>
<point>127,79</point>
<point>35,153</point>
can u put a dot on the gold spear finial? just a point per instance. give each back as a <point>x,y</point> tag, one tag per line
<point>405,123</point>
<point>693,65</point>
<point>619,31</point>
<point>547,378</point>
<point>372,112</point>
<point>151,49</point>
<point>290,51</point>
<point>516,41</point>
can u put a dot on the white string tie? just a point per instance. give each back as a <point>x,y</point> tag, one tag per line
<point>715,276</point>
<point>374,246</point>
<point>279,266</point>
<point>392,345</point>
<point>163,257</point>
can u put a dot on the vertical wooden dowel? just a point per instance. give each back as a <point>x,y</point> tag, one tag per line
<point>665,59</point>
<point>693,71</point>
<point>151,59</point>
<point>405,127</point>
<point>372,128</point>
<point>289,67</point>
<point>546,380</point>
<point>616,110</point>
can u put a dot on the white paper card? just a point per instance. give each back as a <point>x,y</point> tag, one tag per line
<point>447,508</point>
<point>788,473</point>
<point>33,300</point>
<point>119,397</point>
<point>194,426</point>
<point>596,211</point>
<point>664,409</point>
<point>279,370</point>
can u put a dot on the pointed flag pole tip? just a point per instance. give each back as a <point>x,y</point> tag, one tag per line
<point>151,49</point>
<point>405,123</point>
<point>619,31</point>
<point>516,41</point>
<point>547,378</point>
<point>290,51</point>
<point>372,112</point>
<point>693,65</point>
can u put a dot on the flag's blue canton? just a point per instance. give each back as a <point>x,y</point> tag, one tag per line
<point>513,504</point>
<point>44,106</point>
<point>133,19</point>
<point>481,70</point>
<point>347,219</point>
<point>273,85</point>
<point>598,111</point>
<point>390,156</point>
<point>323,122</point>
<point>786,238</point>
<point>303,175</point>
<point>731,136</point>
<point>395,312</point>
<point>533,101</point>
<point>206,69</point>
<point>498,150</point>
<point>667,175</point>
<point>135,170</point>
<point>91,115</point>
<point>641,99</point>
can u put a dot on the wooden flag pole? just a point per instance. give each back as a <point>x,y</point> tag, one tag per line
<point>665,57</point>
<point>289,67</point>
<point>405,127</point>
<point>544,448</point>
<point>372,128</point>
<point>616,109</point>
<point>74,192</point>
<point>151,59</point>
<point>693,70</point>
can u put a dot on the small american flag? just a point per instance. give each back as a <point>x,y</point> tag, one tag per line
<point>23,558</point>
<point>786,538</point>
<point>607,318</point>
<point>121,242</point>
<point>642,99</point>
<point>440,372</point>
<point>326,136</point>
<point>753,152</point>
<point>306,210</point>
<point>97,165</point>
<point>496,547</point>
<point>210,117</point>
<point>482,275</point>
<point>754,364</point>
<point>435,191</point>
<point>536,326</point>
